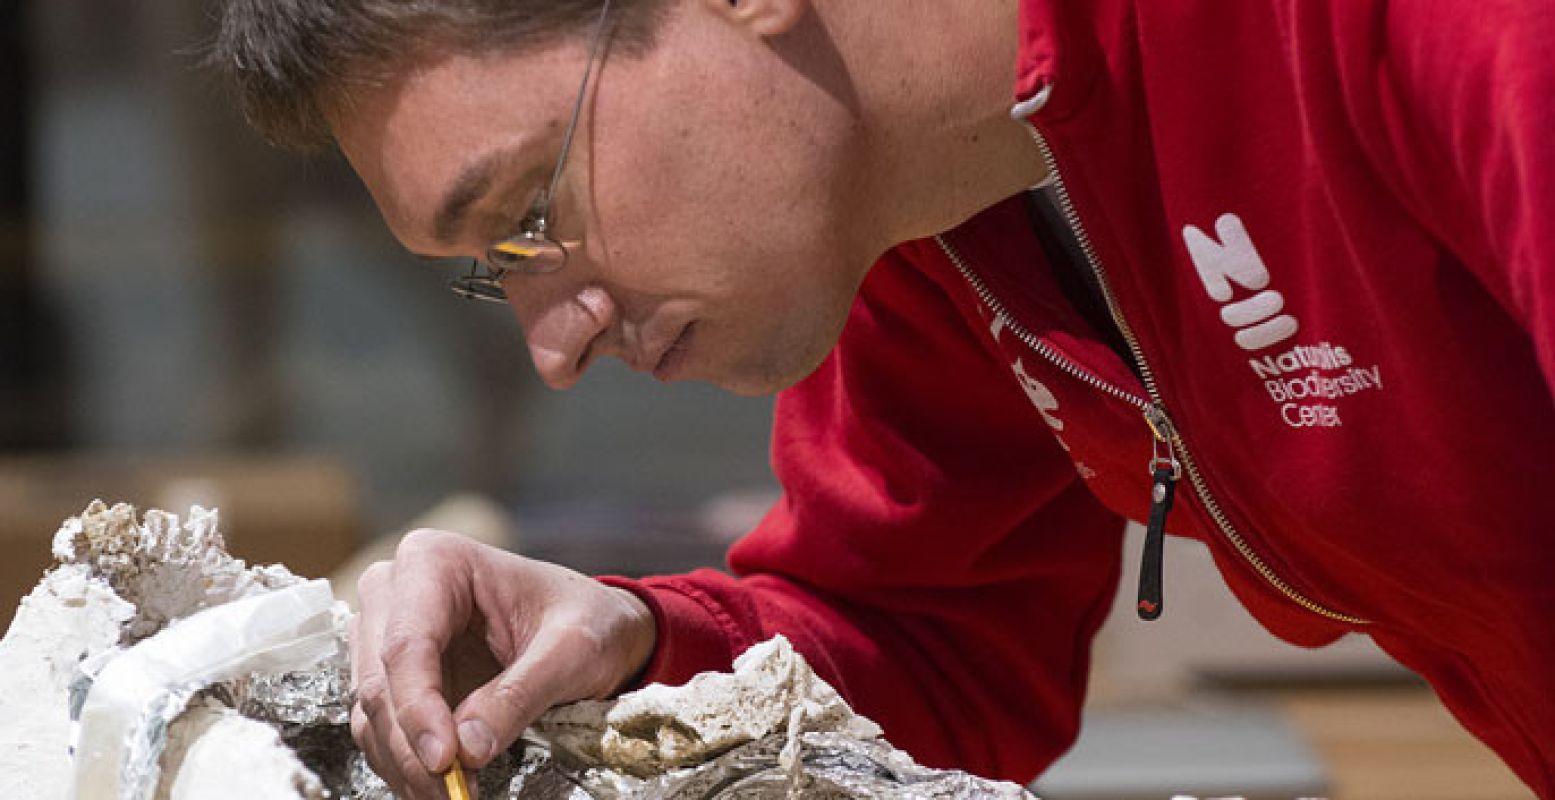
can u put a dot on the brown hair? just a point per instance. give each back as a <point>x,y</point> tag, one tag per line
<point>283,59</point>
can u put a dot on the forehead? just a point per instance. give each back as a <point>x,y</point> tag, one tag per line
<point>413,136</point>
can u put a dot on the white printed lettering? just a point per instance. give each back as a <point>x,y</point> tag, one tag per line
<point>1235,276</point>
<point>1040,397</point>
<point>1233,259</point>
<point>997,327</point>
<point>1313,416</point>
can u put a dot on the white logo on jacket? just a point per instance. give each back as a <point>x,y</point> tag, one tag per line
<point>1234,275</point>
<point>1234,260</point>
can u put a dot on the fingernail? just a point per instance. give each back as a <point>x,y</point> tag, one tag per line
<point>430,749</point>
<point>475,738</point>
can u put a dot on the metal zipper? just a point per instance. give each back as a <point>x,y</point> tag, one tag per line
<point>1153,407</point>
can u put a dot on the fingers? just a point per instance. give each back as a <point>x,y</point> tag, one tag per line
<point>395,761</point>
<point>558,666</point>
<point>431,603</point>
<point>401,625</point>
<point>584,643</point>
<point>367,679</point>
<point>372,716</point>
<point>563,637</point>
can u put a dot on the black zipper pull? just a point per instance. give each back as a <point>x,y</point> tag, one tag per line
<point>1164,472</point>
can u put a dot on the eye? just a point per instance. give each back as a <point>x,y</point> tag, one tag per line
<point>530,251</point>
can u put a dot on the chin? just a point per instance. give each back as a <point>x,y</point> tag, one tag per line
<point>790,351</point>
<point>774,375</point>
<point>749,385</point>
<point>753,388</point>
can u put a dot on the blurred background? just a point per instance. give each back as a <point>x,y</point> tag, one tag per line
<point>188,316</point>
<point>192,316</point>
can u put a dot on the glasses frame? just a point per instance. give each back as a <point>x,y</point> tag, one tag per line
<point>532,251</point>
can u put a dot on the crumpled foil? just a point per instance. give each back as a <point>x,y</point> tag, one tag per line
<point>329,751</point>
<point>314,697</point>
<point>822,765</point>
<point>829,767</point>
<point>560,760</point>
<point>312,709</point>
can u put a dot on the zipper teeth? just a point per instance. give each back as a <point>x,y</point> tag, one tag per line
<point>1245,549</point>
<point>1072,218</point>
<point>1026,337</point>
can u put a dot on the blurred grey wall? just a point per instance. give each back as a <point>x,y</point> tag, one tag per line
<point>32,374</point>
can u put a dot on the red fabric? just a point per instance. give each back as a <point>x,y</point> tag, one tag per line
<point>954,611</point>
<point>1377,177</point>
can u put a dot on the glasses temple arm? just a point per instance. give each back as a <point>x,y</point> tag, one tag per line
<point>577,106</point>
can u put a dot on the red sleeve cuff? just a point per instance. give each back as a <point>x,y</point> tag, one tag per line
<point>690,637</point>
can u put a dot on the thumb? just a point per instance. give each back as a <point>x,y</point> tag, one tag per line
<point>493,716</point>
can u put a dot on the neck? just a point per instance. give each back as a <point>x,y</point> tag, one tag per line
<point>934,80</point>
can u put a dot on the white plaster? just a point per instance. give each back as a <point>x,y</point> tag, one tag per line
<point>69,615</point>
<point>215,752</point>
<point>118,580</point>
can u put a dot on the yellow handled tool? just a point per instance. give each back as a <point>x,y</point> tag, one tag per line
<point>454,778</point>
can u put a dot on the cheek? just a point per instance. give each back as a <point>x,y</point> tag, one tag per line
<point>636,206</point>
<point>666,219</point>
<point>715,182</point>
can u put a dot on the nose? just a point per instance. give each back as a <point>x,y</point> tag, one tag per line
<point>566,326</point>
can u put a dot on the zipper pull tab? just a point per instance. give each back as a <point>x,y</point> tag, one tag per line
<point>1164,472</point>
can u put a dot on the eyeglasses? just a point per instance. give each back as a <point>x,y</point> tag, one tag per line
<point>532,251</point>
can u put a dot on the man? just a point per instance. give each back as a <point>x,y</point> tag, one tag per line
<point>1286,287</point>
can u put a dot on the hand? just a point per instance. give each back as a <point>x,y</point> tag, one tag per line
<point>505,637</point>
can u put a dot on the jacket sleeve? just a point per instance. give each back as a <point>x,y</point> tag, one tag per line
<point>1468,91</point>
<point>934,555</point>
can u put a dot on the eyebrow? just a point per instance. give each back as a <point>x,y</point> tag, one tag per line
<point>473,184</point>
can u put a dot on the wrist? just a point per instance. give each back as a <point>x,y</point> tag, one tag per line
<point>640,637</point>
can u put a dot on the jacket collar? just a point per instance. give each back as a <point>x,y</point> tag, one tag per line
<point>1060,56</point>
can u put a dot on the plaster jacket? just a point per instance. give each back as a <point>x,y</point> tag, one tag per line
<point>1326,231</point>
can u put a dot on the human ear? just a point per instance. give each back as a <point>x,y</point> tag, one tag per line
<point>762,17</point>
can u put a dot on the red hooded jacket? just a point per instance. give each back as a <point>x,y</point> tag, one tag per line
<point>1326,234</point>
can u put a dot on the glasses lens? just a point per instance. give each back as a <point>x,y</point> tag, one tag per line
<point>478,289</point>
<point>479,285</point>
<point>529,252</point>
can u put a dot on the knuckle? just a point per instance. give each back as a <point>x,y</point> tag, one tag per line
<point>586,644</point>
<point>423,542</point>
<point>415,714</point>
<point>372,695</point>
<point>400,644</point>
<point>376,575</point>
<point>515,698</point>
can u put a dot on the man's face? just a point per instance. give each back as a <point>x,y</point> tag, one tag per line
<point>709,200</point>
